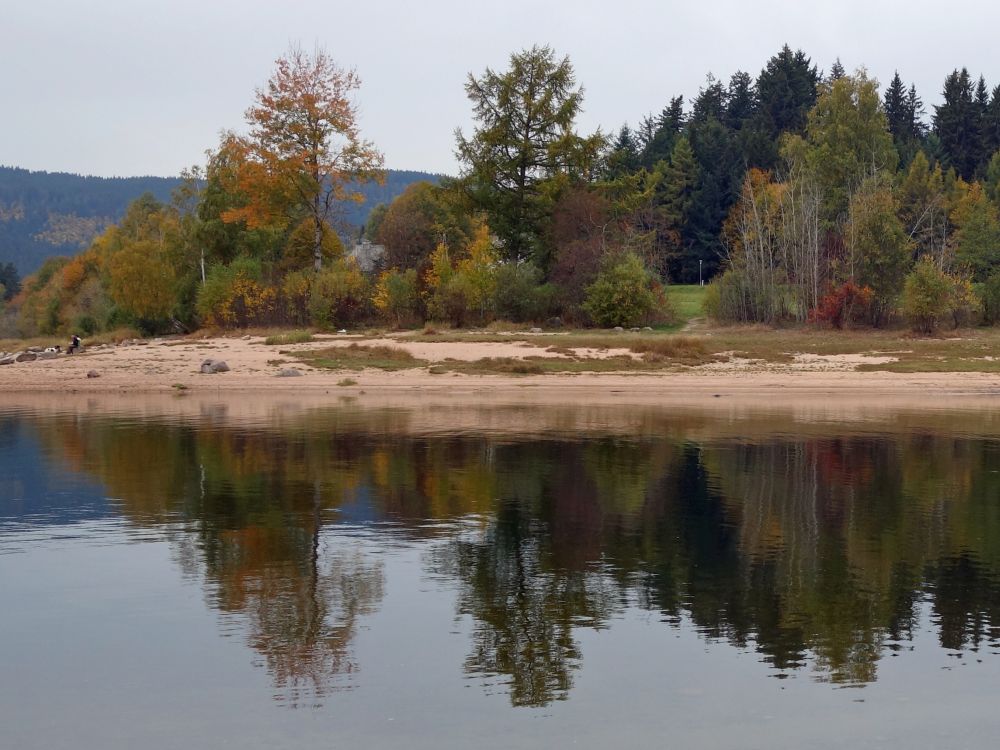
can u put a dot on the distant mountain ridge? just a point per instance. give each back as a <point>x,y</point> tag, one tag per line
<point>43,214</point>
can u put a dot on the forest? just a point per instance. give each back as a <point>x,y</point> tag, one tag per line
<point>45,214</point>
<point>801,196</point>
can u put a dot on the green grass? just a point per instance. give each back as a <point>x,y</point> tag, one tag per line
<point>358,357</point>
<point>687,301</point>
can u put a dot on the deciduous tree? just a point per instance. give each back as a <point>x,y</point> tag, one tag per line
<point>523,138</point>
<point>304,153</point>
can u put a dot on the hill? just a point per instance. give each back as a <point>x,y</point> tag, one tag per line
<point>53,213</point>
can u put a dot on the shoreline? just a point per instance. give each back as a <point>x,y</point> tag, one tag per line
<point>170,367</point>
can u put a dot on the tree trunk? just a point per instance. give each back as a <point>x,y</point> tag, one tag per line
<point>317,244</point>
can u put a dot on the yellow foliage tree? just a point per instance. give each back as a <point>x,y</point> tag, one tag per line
<point>141,281</point>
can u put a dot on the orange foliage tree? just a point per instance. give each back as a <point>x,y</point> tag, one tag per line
<point>304,153</point>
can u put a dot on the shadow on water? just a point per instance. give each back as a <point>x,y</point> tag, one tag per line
<point>815,550</point>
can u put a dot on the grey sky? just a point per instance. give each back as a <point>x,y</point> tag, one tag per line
<point>127,87</point>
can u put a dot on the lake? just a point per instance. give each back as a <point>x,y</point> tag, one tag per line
<point>497,576</point>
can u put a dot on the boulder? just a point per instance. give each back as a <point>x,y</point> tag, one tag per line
<point>47,355</point>
<point>554,323</point>
<point>8,360</point>
<point>36,349</point>
<point>535,330</point>
<point>212,366</point>
<point>289,372</point>
<point>619,329</point>
<point>93,374</point>
<point>26,357</point>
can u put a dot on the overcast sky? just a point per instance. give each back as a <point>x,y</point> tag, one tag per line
<point>130,87</point>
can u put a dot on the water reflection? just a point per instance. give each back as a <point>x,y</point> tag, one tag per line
<point>818,552</point>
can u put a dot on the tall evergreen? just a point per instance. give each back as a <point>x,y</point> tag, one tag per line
<point>836,71</point>
<point>741,100</point>
<point>669,125</point>
<point>624,156</point>
<point>991,126</point>
<point>710,102</point>
<point>903,110</point>
<point>720,173</point>
<point>957,124</point>
<point>786,89</point>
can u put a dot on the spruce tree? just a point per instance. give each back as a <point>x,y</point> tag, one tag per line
<point>836,71</point>
<point>710,102</point>
<point>669,125</point>
<point>956,124</point>
<point>786,89</point>
<point>991,127</point>
<point>741,100</point>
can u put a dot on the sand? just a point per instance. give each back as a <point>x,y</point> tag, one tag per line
<point>173,366</point>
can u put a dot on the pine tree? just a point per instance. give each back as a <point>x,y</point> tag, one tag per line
<point>786,89</point>
<point>903,110</point>
<point>836,71</point>
<point>956,124</point>
<point>624,156</point>
<point>710,102</point>
<point>720,174</point>
<point>674,198</point>
<point>991,126</point>
<point>741,100</point>
<point>669,125</point>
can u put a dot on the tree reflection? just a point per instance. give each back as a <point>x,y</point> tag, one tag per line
<point>816,552</point>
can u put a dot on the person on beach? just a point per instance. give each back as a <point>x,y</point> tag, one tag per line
<point>74,344</point>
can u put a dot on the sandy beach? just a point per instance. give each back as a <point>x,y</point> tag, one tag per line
<point>172,366</point>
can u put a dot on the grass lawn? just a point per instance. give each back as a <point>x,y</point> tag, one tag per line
<point>687,301</point>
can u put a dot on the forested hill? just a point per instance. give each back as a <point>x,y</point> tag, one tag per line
<point>53,213</point>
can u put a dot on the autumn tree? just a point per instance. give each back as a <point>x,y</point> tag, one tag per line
<point>849,139</point>
<point>417,220</point>
<point>880,251</point>
<point>977,236</point>
<point>523,138</point>
<point>304,153</point>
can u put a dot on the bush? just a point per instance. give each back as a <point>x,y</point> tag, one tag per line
<point>520,296</point>
<point>989,294</point>
<point>622,294</point>
<point>85,325</point>
<point>339,295</point>
<point>842,304</point>
<point>235,295</point>
<point>927,296</point>
<point>396,295</point>
<point>731,298</point>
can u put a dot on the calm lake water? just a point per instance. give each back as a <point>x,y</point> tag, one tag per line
<point>373,578</point>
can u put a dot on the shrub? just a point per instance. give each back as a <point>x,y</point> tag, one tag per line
<point>235,295</point>
<point>295,290</point>
<point>339,295</point>
<point>520,296</point>
<point>842,304</point>
<point>85,325</point>
<point>965,305</point>
<point>396,295</point>
<point>622,293</point>
<point>731,298</point>
<point>927,295</point>
<point>989,294</point>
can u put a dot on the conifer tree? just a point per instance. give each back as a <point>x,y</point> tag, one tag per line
<point>957,124</point>
<point>741,101</point>
<point>669,125</point>
<point>836,71</point>
<point>786,89</point>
